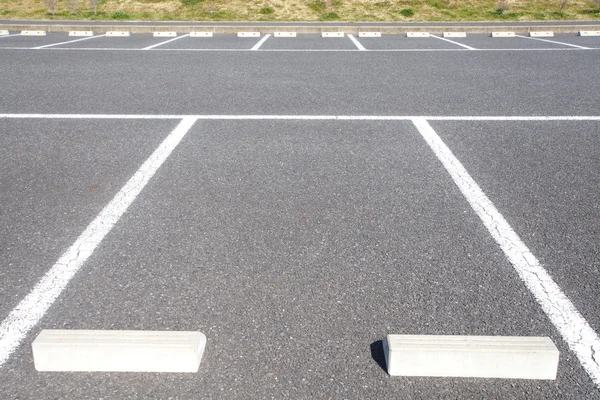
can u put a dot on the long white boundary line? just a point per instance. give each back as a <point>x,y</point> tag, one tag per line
<point>452,41</point>
<point>300,50</point>
<point>358,45</point>
<point>554,41</point>
<point>261,41</point>
<point>32,308</point>
<point>304,117</point>
<point>70,41</point>
<point>574,329</point>
<point>12,34</point>
<point>165,42</point>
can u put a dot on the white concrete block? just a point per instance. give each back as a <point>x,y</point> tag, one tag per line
<point>417,34</point>
<point>33,33</point>
<point>124,351</point>
<point>164,34</point>
<point>284,34</point>
<point>369,34</point>
<point>117,34</point>
<point>332,34</point>
<point>248,34</point>
<point>541,34</point>
<point>471,356</point>
<point>503,34</point>
<point>81,33</point>
<point>201,34</point>
<point>3,32</point>
<point>589,33</point>
<point>454,34</point>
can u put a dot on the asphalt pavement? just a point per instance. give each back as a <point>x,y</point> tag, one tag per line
<point>297,245</point>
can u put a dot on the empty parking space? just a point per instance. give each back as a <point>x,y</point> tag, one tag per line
<point>486,42</point>
<point>18,41</point>
<point>292,245</point>
<point>401,42</point>
<point>309,42</point>
<point>542,176</point>
<point>584,41</point>
<point>56,176</point>
<point>135,41</point>
<point>226,42</point>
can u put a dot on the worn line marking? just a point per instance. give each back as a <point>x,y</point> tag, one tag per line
<point>358,45</point>
<point>165,42</point>
<point>261,41</point>
<point>452,41</point>
<point>70,41</point>
<point>554,41</point>
<point>574,329</point>
<point>32,308</point>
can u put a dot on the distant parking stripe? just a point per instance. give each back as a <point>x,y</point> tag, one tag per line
<point>453,42</point>
<point>70,41</point>
<point>165,42</point>
<point>32,308</point>
<point>261,41</point>
<point>575,330</point>
<point>554,41</point>
<point>356,42</point>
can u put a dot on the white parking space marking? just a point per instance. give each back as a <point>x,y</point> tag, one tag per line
<point>70,41</point>
<point>554,41</point>
<point>260,42</point>
<point>356,43</point>
<point>452,41</point>
<point>304,117</point>
<point>33,307</point>
<point>573,327</point>
<point>14,34</point>
<point>166,41</point>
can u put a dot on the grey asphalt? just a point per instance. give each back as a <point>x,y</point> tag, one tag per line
<point>296,246</point>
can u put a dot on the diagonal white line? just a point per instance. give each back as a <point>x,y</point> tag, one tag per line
<point>575,330</point>
<point>452,41</point>
<point>70,41</point>
<point>356,42</point>
<point>13,34</point>
<point>261,41</point>
<point>554,41</point>
<point>165,42</point>
<point>32,308</point>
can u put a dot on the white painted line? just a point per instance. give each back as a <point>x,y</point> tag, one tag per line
<point>32,308</point>
<point>454,34</point>
<point>304,117</point>
<point>260,42</point>
<point>453,42</point>
<point>117,34</point>
<point>164,34</point>
<point>81,33</point>
<point>575,330</point>
<point>554,41</point>
<point>369,34</point>
<point>503,34</point>
<point>118,351</point>
<point>356,43</point>
<point>166,41</point>
<point>284,34</point>
<point>201,34</point>
<point>541,34</point>
<point>70,41</point>
<point>4,32</point>
<point>14,34</point>
<point>417,34</point>
<point>507,357</point>
<point>248,34</point>
<point>332,34</point>
<point>33,33</point>
<point>589,33</point>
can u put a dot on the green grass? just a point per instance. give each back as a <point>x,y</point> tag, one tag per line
<point>308,10</point>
